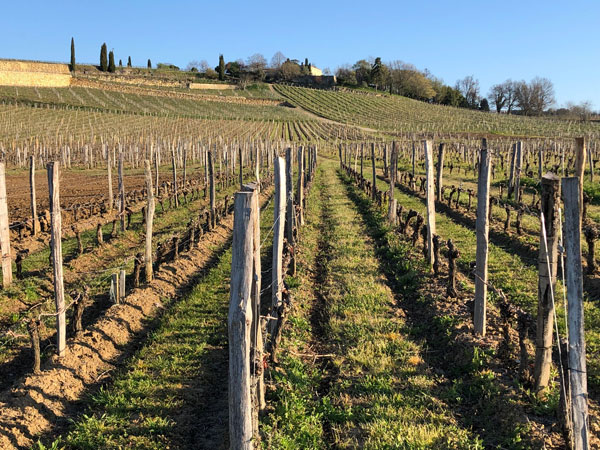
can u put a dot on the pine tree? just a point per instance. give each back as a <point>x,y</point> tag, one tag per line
<point>129,62</point>
<point>120,63</point>
<point>221,70</point>
<point>149,64</point>
<point>72,55</point>
<point>103,59</point>
<point>111,62</point>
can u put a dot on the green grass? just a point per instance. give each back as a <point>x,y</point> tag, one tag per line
<point>375,391</point>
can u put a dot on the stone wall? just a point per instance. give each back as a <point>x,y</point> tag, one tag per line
<point>37,74</point>
<point>212,86</point>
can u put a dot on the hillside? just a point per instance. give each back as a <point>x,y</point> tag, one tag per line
<point>394,114</point>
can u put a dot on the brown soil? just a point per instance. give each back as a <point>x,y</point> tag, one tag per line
<point>37,403</point>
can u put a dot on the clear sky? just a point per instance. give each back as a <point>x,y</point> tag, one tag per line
<point>492,40</point>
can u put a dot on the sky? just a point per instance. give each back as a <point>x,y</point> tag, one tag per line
<point>491,40</point>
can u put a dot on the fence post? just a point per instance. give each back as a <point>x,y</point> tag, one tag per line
<point>110,187</point>
<point>149,221</point>
<point>580,154</point>
<point>482,231</point>
<point>300,192</point>
<point>57,259</point>
<point>518,168</point>
<point>374,190</point>
<point>174,161</point>
<point>4,231</point>
<point>392,174</point>
<point>34,217</point>
<point>211,180</point>
<point>121,193</point>
<point>239,323</point>
<point>547,260</point>
<point>574,278</point>
<point>430,200</point>
<point>122,279</point>
<point>440,169</point>
<point>279,222</point>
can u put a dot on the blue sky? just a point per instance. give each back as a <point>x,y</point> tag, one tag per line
<point>491,40</point>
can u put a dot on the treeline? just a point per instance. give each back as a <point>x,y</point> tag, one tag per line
<point>535,97</point>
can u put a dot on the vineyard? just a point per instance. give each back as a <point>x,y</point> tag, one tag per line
<point>293,268</point>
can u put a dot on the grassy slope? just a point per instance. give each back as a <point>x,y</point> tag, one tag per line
<point>394,113</point>
<point>349,376</point>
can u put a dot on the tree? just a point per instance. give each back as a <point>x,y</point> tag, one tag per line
<point>498,94</point>
<point>257,64</point>
<point>111,62</point>
<point>277,60</point>
<point>72,55</point>
<point>345,75</point>
<point>535,97</point>
<point>129,61</point>
<point>362,70</point>
<point>103,58</point>
<point>149,64</point>
<point>406,80</point>
<point>469,88</point>
<point>120,63</point>
<point>290,70</point>
<point>379,73</point>
<point>221,68</point>
<point>484,105</point>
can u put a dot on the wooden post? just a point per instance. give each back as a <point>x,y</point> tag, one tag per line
<point>279,222</point>
<point>114,288</point>
<point>289,209</point>
<point>574,279</point>
<point>57,259</point>
<point>35,226</point>
<point>149,221</point>
<point>430,200</point>
<point>482,231</point>
<point>239,324</point>
<point>257,168</point>
<point>122,279</point>
<point>156,176</point>
<point>580,154</point>
<point>440,169</point>
<point>4,231</point>
<point>511,175</point>
<point>241,169</point>
<point>110,187</point>
<point>518,168</point>
<point>374,190</point>
<point>121,193</point>
<point>392,173</point>
<point>547,266</point>
<point>300,192</point>
<point>175,193</point>
<point>211,179</point>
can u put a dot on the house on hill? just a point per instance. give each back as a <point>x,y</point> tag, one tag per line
<point>315,71</point>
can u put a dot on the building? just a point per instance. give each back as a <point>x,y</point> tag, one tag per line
<point>315,71</point>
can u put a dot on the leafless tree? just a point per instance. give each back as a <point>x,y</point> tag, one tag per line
<point>469,88</point>
<point>277,60</point>
<point>534,97</point>
<point>256,62</point>
<point>498,96</point>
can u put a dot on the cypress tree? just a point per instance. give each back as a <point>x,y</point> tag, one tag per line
<point>103,59</point>
<point>120,63</point>
<point>111,62</point>
<point>72,55</point>
<point>149,64</point>
<point>221,68</point>
<point>129,62</point>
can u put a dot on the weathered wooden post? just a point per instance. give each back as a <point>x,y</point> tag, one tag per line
<point>4,231</point>
<point>149,221</point>
<point>57,259</point>
<point>547,266</point>
<point>374,190</point>
<point>392,172</point>
<point>518,167</point>
<point>574,279</point>
<point>300,190</point>
<point>211,180</point>
<point>241,169</point>
<point>430,198</point>
<point>482,231</point>
<point>279,224</point>
<point>35,225</point>
<point>121,193</point>
<point>239,324</point>
<point>580,154</point>
<point>440,169</point>
<point>122,280</point>
<point>110,187</point>
<point>175,192</point>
